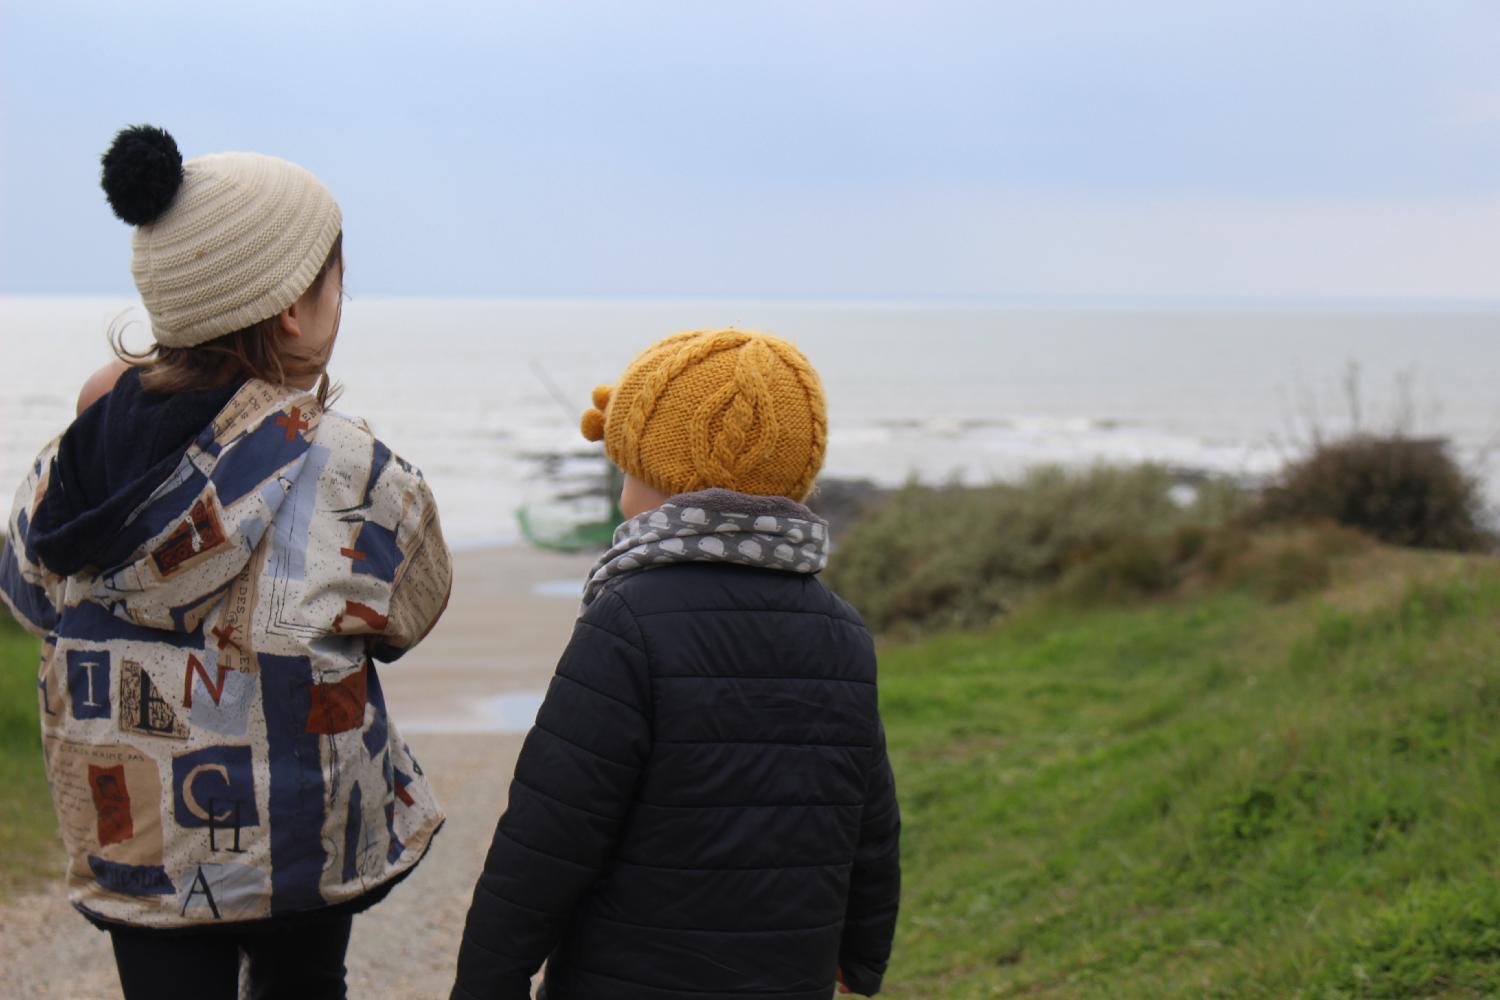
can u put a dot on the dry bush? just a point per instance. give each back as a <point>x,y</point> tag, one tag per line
<point>1398,489</point>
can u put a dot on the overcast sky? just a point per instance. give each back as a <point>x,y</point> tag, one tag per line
<point>1333,149</point>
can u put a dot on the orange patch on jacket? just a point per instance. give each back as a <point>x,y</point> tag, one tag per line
<point>112,803</point>
<point>199,532</point>
<point>340,706</point>
<point>363,612</point>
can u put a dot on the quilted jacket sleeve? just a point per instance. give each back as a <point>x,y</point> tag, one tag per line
<point>875,883</point>
<point>33,594</point>
<point>573,787</point>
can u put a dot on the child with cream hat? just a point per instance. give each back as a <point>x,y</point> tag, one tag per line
<point>214,561</point>
<point>704,807</point>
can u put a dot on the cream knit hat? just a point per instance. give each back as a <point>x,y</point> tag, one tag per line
<point>222,241</point>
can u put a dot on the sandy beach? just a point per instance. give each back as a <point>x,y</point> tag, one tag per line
<point>462,700</point>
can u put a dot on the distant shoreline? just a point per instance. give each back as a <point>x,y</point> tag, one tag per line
<point>1268,305</point>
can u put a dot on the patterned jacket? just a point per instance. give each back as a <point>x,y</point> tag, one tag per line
<point>215,735</point>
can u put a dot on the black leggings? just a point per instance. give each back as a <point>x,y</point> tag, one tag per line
<point>301,959</point>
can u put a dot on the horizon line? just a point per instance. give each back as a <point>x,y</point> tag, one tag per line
<point>1169,302</point>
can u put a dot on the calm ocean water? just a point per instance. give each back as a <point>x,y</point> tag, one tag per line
<point>484,396</point>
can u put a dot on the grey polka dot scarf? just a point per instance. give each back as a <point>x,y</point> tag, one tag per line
<point>715,526</point>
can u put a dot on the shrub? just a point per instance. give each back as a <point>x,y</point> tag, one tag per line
<point>1280,566</point>
<point>961,556</point>
<point>1398,489</point>
<point>1136,566</point>
<point>1275,565</point>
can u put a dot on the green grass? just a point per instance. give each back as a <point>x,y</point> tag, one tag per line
<point>30,851</point>
<point>1224,795</point>
<point>1246,790</point>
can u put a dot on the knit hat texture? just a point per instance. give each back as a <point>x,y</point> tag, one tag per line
<point>241,239</point>
<point>731,409</point>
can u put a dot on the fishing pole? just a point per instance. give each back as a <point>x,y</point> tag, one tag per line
<point>556,393</point>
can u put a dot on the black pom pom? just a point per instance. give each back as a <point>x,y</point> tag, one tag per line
<point>142,172</point>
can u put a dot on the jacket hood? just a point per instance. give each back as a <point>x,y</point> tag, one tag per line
<point>136,498</point>
<point>109,462</point>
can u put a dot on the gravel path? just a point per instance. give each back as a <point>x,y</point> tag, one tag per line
<point>405,948</point>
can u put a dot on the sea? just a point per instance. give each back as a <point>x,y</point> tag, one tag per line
<point>485,395</point>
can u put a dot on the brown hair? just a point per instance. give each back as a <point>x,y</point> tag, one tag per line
<point>254,352</point>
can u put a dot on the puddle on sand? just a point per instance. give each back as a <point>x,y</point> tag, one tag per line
<point>572,589</point>
<point>513,712</point>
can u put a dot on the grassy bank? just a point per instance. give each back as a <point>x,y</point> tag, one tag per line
<point>1277,777</point>
<point>29,849</point>
<point>1229,794</point>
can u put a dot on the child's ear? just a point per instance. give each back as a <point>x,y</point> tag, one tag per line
<point>290,320</point>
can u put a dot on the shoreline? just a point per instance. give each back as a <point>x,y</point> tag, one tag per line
<point>932,395</point>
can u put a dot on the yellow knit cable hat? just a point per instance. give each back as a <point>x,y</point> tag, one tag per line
<point>732,409</point>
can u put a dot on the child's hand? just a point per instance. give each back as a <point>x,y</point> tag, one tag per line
<point>100,383</point>
<point>843,987</point>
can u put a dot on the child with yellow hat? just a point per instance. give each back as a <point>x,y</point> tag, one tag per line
<point>704,807</point>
